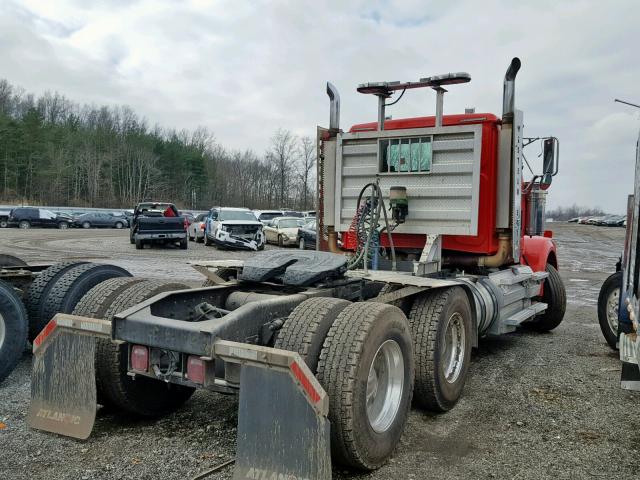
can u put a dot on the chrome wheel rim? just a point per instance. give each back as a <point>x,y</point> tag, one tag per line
<point>24,225</point>
<point>613,303</point>
<point>63,226</point>
<point>2,330</point>
<point>385,385</point>
<point>452,357</point>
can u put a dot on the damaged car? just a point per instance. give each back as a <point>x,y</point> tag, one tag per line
<point>233,228</point>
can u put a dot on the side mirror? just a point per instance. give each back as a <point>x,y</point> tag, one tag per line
<point>549,161</point>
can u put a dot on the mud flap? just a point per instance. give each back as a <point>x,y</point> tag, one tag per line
<point>283,430</point>
<point>63,385</point>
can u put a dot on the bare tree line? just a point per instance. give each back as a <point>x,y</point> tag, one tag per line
<point>55,151</point>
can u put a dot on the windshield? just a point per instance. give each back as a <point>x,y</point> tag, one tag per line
<point>310,225</point>
<point>243,215</point>
<point>288,223</point>
<point>269,216</point>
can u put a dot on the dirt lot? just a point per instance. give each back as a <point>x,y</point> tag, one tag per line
<point>536,406</point>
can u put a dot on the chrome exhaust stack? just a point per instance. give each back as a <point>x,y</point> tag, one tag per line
<point>508,91</point>
<point>334,109</point>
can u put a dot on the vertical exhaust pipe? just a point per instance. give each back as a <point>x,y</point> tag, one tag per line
<point>334,109</point>
<point>508,91</point>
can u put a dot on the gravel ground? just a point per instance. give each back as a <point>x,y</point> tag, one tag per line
<point>536,405</point>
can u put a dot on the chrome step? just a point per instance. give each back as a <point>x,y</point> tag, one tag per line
<point>524,315</point>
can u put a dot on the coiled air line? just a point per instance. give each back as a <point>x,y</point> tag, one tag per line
<point>366,226</point>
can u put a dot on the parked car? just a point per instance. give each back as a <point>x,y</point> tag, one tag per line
<point>265,216</point>
<point>282,231</point>
<point>4,218</point>
<point>100,220</point>
<point>158,222</point>
<point>196,229</point>
<point>234,228</point>
<point>27,217</point>
<point>307,235</point>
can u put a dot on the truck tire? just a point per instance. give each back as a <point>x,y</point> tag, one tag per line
<point>72,285</point>
<point>306,328</point>
<point>441,331</point>
<point>11,261</point>
<point>555,296</point>
<point>184,244</point>
<point>24,224</point>
<point>95,304</point>
<point>37,292</point>
<point>608,304</point>
<point>139,244</point>
<point>207,242</point>
<point>403,304</point>
<point>144,397</point>
<point>13,329</point>
<point>367,349</point>
<point>96,301</point>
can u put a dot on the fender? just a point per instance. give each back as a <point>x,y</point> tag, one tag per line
<point>537,251</point>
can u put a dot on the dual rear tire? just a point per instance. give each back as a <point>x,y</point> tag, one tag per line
<point>142,396</point>
<point>362,355</point>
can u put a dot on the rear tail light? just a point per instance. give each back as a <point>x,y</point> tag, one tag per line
<point>196,369</point>
<point>186,224</point>
<point>139,358</point>
<point>202,226</point>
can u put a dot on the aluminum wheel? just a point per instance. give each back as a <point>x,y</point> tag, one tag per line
<point>613,303</point>
<point>452,357</point>
<point>2,330</point>
<point>384,386</point>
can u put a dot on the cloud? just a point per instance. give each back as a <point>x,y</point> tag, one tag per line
<point>243,69</point>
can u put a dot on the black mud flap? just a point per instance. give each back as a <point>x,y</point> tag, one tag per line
<point>63,386</point>
<point>283,430</point>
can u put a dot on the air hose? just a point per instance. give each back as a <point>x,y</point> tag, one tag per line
<point>366,227</point>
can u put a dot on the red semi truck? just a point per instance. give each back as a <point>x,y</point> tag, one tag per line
<point>443,243</point>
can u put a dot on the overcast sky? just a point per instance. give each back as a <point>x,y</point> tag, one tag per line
<point>243,69</point>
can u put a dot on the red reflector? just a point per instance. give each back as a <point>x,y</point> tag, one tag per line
<point>548,233</point>
<point>139,358</point>
<point>195,369</point>
<point>46,331</point>
<point>305,382</point>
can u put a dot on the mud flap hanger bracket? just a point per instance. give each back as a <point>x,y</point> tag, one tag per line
<point>281,403</point>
